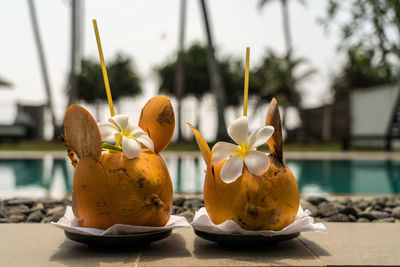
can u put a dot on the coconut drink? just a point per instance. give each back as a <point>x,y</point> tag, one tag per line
<point>254,189</point>
<point>126,183</point>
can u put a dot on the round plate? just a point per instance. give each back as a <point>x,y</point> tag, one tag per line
<point>119,240</point>
<point>225,239</point>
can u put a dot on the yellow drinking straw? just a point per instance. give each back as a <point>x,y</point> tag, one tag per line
<point>103,68</point>
<point>246,82</point>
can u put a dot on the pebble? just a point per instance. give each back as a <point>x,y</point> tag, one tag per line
<point>188,215</point>
<point>17,209</point>
<point>52,211</point>
<point>326,209</point>
<point>35,216</point>
<point>350,211</point>
<point>179,201</point>
<point>363,204</point>
<point>340,217</point>
<point>17,202</point>
<point>17,218</point>
<point>396,212</point>
<point>315,200</point>
<point>382,209</point>
<point>308,206</point>
<point>387,220</point>
<point>352,218</point>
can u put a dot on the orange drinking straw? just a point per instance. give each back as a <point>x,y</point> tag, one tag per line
<point>246,82</point>
<point>103,68</point>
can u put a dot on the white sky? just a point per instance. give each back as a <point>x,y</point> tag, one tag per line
<point>148,31</point>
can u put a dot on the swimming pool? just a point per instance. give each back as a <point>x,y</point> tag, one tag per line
<point>50,176</point>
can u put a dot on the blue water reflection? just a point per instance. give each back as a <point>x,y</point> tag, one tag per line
<point>52,177</point>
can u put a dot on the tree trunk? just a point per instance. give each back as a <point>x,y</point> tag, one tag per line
<point>179,74</point>
<point>43,65</point>
<point>294,98</point>
<point>216,83</point>
<point>286,26</point>
<point>76,50</point>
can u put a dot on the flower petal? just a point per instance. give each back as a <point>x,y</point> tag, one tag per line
<point>257,162</point>
<point>121,120</point>
<point>221,151</point>
<point>145,140</point>
<point>232,169</point>
<point>107,129</point>
<point>238,130</point>
<point>131,147</point>
<point>260,136</point>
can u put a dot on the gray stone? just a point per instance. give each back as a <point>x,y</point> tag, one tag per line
<point>363,204</point>
<point>350,211</point>
<point>326,209</point>
<point>345,201</point>
<point>58,215</point>
<point>362,219</point>
<point>179,201</point>
<point>18,202</point>
<point>388,210</point>
<point>377,207</point>
<point>16,218</point>
<point>307,205</point>
<point>387,220</point>
<point>188,215</point>
<point>393,204</point>
<point>352,218</point>
<point>374,214</point>
<point>46,220</point>
<point>18,209</point>
<point>339,207</point>
<point>193,204</point>
<point>177,209</point>
<point>396,212</point>
<point>48,204</point>
<point>4,220</point>
<point>338,218</point>
<point>315,200</point>
<point>52,211</point>
<point>36,216</point>
<point>39,206</point>
<point>368,209</point>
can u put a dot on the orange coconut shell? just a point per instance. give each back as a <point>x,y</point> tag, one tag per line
<point>266,202</point>
<point>118,190</point>
<point>158,121</point>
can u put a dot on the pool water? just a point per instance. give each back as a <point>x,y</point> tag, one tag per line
<point>52,177</point>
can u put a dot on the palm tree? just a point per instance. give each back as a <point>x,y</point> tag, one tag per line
<point>270,79</point>
<point>179,73</point>
<point>43,66</point>
<point>197,76</point>
<point>293,96</point>
<point>76,49</point>
<point>216,81</point>
<point>123,80</point>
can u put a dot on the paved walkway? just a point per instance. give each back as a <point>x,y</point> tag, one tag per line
<point>347,244</point>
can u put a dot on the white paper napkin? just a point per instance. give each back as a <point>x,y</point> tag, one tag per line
<point>68,223</point>
<point>303,223</point>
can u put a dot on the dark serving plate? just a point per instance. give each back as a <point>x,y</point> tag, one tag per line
<point>235,239</point>
<point>119,240</point>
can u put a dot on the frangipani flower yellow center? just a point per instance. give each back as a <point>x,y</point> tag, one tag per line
<point>245,152</point>
<point>130,136</point>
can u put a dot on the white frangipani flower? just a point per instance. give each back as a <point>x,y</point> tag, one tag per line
<point>130,136</point>
<point>244,152</point>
